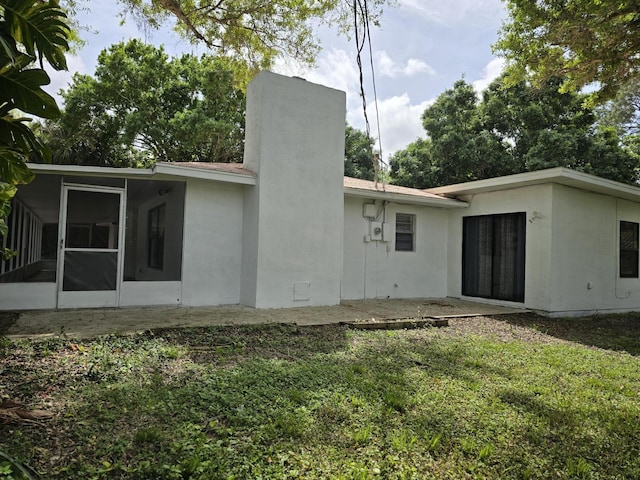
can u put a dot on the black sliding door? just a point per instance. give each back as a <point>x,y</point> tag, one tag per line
<point>493,256</point>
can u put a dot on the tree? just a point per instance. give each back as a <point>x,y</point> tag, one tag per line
<point>30,31</point>
<point>255,32</point>
<point>623,111</point>
<point>358,155</point>
<point>460,147</point>
<point>142,107</point>
<point>512,129</point>
<point>413,167</point>
<point>583,41</point>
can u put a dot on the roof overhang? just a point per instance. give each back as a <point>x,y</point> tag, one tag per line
<point>401,198</point>
<point>559,175</point>
<point>233,174</point>
<point>159,171</point>
<point>87,171</point>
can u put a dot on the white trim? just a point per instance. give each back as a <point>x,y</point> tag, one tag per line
<point>177,170</point>
<point>560,175</point>
<point>83,170</point>
<point>401,198</point>
<point>159,169</point>
<point>77,299</point>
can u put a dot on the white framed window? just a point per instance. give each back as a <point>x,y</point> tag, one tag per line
<point>405,232</point>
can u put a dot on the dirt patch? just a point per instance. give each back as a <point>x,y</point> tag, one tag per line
<point>7,320</point>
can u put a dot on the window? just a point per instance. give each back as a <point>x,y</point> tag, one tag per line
<point>405,232</point>
<point>155,237</point>
<point>493,256</point>
<point>628,250</point>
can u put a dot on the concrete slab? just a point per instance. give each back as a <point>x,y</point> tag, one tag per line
<point>86,323</point>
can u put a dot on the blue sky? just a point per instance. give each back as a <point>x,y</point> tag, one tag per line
<point>421,48</point>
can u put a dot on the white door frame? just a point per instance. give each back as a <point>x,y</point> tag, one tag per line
<point>76,299</point>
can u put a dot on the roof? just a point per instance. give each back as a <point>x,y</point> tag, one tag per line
<point>222,172</point>
<point>365,188</point>
<point>558,175</point>
<point>225,172</point>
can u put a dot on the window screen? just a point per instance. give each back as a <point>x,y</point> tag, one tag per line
<point>405,232</point>
<point>628,250</point>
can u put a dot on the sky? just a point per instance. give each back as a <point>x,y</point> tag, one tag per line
<point>420,49</point>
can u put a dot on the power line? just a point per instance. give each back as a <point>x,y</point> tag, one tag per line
<point>361,9</point>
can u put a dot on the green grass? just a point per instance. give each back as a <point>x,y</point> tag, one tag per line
<point>277,402</point>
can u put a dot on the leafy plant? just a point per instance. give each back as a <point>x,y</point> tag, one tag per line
<point>30,31</point>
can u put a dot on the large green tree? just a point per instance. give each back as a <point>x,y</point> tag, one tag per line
<point>358,154</point>
<point>513,129</point>
<point>31,33</point>
<point>254,32</point>
<point>143,106</point>
<point>583,41</point>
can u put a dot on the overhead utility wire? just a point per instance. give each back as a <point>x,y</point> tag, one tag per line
<point>366,37</point>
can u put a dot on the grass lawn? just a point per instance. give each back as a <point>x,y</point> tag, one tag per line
<point>508,397</point>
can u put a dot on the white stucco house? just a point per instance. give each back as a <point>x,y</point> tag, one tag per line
<point>285,228</point>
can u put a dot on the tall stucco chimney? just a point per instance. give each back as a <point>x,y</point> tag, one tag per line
<point>293,216</point>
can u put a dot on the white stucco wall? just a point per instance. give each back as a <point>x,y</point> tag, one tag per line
<point>375,269</point>
<point>292,248</point>
<point>27,296</point>
<point>585,253</point>
<point>538,260</point>
<point>212,253</point>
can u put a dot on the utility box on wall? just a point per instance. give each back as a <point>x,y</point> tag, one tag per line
<point>388,232</point>
<point>376,231</point>
<point>369,210</point>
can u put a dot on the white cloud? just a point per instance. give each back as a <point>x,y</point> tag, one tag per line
<point>335,69</point>
<point>62,79</point>
<point>400,122</point>
<point>391,69</point>
<point>491,71</point>
<point>454,12</point>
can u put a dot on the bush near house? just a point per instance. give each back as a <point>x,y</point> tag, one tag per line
<point>506,397</point>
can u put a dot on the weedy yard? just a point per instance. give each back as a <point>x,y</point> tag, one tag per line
<point>517,397</point>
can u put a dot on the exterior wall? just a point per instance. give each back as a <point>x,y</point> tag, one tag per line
<point>375,269</point>
<point>136,294</point>
<point>538,259</point>
<point>585,254</point>
<point>27,296</point>
<point>212,251</point>
<point>292,250</point>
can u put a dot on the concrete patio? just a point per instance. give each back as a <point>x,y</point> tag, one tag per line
<point>91,322</point>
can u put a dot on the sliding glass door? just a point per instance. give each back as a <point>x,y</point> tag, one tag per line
<point>493,256</point>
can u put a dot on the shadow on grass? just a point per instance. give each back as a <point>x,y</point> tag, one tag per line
<point>282,402</point>
<point>617,332</point>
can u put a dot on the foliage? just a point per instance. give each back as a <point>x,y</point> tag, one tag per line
<point>513,129</point>
<point>623,111</point>
<point>30,31</point>
<point>413,167</point>
<point>480,399</point>
<point>142,107</point>
<point>255,32</point>
<point>583,41</point>
<point>358,156</point>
